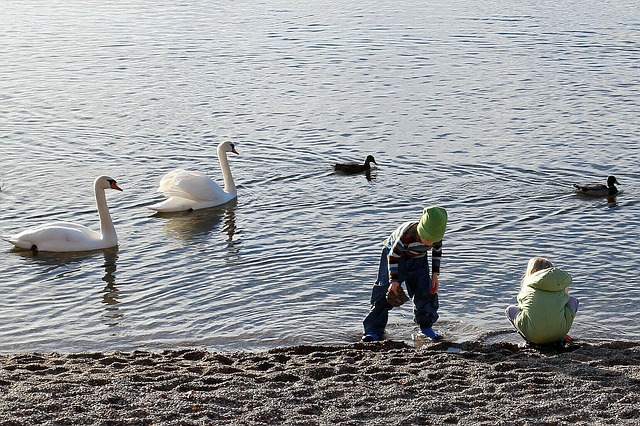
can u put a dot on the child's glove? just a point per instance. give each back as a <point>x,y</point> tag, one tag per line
<point>398,298</point>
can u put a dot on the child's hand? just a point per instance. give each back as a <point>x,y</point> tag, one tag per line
<point>435,284</point>
<point>396,295</point>
<point>393,287</point>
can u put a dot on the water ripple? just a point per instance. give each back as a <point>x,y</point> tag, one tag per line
<point>490,113</point>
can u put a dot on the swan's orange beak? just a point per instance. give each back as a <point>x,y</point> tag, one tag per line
<point>114,185</point>
<point>234,150</point>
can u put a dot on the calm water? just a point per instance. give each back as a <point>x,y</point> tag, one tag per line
<point>490,109</point>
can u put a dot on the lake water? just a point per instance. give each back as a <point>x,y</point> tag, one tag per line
<point>490,109</point>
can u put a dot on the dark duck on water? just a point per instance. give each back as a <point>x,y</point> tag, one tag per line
<point>599,189</point>
<point>352,168</point>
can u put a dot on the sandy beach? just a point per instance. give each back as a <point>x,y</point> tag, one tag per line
<point>385,383</point>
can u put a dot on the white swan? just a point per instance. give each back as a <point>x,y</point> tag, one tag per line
<point>188,190</point>
<point>66,236</point>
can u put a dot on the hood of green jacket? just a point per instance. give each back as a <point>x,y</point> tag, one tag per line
<point>545,315</point>
<point>550,279</point>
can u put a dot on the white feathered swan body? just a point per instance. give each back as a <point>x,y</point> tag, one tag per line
<point>68,236</point>
<point>187,190</point>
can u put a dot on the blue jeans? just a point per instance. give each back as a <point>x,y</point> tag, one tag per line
<point>416,274</point>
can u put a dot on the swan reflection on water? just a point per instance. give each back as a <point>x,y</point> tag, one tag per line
<point>110,293</point>
<point>59,265</point>
<point>194,225</point>
<point>55,260</point>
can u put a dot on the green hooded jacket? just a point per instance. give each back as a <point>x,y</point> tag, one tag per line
<point>545,316</point>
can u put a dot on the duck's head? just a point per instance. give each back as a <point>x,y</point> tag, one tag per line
<point>611,180</point>
<point>370,160</point>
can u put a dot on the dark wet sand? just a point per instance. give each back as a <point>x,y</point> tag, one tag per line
<point>387,383</point>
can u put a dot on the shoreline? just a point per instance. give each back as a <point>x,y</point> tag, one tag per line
<point>382,383</point>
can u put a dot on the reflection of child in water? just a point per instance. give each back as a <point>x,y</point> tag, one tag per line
<point>545,311</point>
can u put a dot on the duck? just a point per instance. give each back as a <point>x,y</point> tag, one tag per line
<point>190,190</point>
<point>69,236</point>
<point>599,189</point>
<point>353,168</point>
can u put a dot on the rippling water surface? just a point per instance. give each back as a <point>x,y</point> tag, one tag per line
<point>490,110</point>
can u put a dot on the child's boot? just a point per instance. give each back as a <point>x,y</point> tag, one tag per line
<point>431,333</point>
<point>370,337</point>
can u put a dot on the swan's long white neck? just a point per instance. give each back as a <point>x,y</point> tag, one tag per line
<point>106,224</point>
<point>229,185</point>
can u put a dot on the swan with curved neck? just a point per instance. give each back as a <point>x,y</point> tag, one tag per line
<point>187,190</point>
<point>69,236</point>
